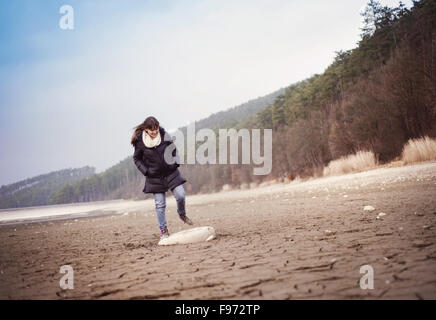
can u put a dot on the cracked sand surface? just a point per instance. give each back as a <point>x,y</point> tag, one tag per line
<point>303,240</point>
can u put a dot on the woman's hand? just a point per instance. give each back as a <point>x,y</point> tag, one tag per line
<point>137,158</point>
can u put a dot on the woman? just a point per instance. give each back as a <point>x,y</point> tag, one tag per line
<point>150,142</point>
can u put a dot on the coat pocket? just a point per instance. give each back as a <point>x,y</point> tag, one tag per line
<point>154,181</point>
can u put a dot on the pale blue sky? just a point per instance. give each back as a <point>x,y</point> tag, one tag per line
<point>69,98</point>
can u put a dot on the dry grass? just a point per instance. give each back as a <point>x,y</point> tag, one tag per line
<point>418,150</point>
<point>362,160</point>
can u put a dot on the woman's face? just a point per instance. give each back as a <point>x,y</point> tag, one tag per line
<point>152,132</point>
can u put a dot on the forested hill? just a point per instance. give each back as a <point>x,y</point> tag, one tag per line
<point>231,117</point>
<point>374,97</point>
<point>40,190</point>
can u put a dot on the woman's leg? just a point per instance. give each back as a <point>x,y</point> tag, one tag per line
<point>160,205</point>
<point>179,194</point>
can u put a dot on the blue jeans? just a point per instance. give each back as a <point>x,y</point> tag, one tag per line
<point>160,204</point>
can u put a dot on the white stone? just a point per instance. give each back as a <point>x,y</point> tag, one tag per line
<point>329,232</point>
<point>193,235</point>
<point>368,208</point>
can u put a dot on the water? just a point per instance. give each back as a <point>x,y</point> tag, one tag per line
<point>67,211</point>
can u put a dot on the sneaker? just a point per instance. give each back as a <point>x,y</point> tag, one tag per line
<point>185,219</point>
<point>164,233</point>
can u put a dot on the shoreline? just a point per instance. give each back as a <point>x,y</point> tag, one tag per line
<point>124,206</point>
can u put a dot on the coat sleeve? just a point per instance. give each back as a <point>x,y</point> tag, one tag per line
<point>137,158</point>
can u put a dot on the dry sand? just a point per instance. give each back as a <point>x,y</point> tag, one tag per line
<point>271,244</point>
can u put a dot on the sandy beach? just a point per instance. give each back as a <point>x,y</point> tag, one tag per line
<point>301,240</point>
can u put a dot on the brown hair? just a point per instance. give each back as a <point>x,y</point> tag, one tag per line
<point>150,123</point>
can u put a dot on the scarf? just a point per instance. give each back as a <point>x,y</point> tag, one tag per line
<point>148,141</point>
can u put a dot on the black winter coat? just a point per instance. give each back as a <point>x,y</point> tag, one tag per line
<point>160,176</point>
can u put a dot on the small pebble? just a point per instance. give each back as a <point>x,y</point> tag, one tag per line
<point>380,215</point>
<point>329,232</point>
<point>368,208</point>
